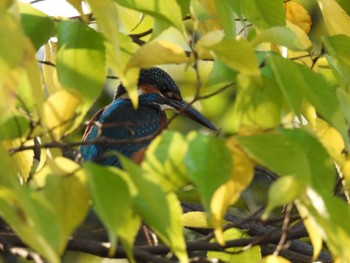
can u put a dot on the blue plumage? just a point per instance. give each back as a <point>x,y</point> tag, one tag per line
<point>119,121</point>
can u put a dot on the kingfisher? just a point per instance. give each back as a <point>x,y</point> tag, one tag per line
<point>133,129</point>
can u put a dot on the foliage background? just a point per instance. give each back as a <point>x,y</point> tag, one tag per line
<point>273,75</point>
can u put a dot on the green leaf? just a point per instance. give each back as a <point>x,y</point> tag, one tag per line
<point>208,163</point>
<point>36,25</point>
<point>166,10</point>
<point>151,200</point>
<point>238,54</point>
<point>16,126</point>
<point>219,76</point>
<point>263,13</point>
<point>291,37</point>
<point>278,153</point>
<point>321,167</point>
<point>81,59</point>
<point>70,200</point>
<point>112,201</point>
<point>226,17</point>
<point>164,160</point>
<point>251,255</point>
<point>284,191</point>
<point>31,217</point>
<point>258,103</point>
<point>119,47</point>
<point>338,47</point>
<point>335,18</point>
<point>290,84</point>
<point>167,53</point>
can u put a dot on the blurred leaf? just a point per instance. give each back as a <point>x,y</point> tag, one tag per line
<point>60,111</point>
<point>313,231</point>
<point>108,188</point>
<point>51,81</point>
<point>290,84</point>
<point>195,220</point>
<point>298,15</point>
<point>251,255</point>
<point>226,17</point>
<point>81,62</point>
<point>33,220</point>
<point>206,17</point>
<point>289,36</point>
<point>335,18</point>
<point>151,200</point>
<point>77,4</point>
<point>274,259</point>
<point>167,53</point>
<point>330,139</point>
<point>166,10</point>
<point>237,54</point>
<point>119,47</point>
<point>284,191</point>
<point>164,160</point>
<point>338,47</point>
<point>206,157</point>
<point>278,153</point>
<point>36,25</point>
<point>263,13</point>
<point>229,192</point>
<point>70,200</point>
<point>24,160</point>
<point>13,127</point>
<point>321,167</point>
<point>219,76</point>
<point>258,103</point>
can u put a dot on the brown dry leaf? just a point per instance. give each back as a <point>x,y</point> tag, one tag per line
<point>298,15</point>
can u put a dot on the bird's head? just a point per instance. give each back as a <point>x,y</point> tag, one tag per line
<point>156,81</point>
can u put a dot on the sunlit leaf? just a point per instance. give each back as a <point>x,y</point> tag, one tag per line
<point>335,18</point>
<point>251,255</point>
<point>119,47</point>
<point>277,152</point>
<point>338,47</point>
<point>229,192</point>
<point>289,36</point>
<point>149,200</point>
<point>112,201</point>
<point>195,219</point>
<point>13,127</point>
<point>36,25</point>
<point>290,84</point>
<point>263,13</point>
<point>167,53</point>
<point>258,103</point>
<point>284,191</point>
<point>237,54</point>
<point>165,10</point>
<point>50,77</point>
<point>81,62</point>
<point>60,111</point>
<point>202,159</point>
<point>164,160</point>
<point>298,15</point>
<point>226,17</point>
<point>70,200</point>
<point>274,259</point>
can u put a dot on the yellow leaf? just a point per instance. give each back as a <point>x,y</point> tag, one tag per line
<point>346,173</point>
<point>331,139</point>
<point>195,219</point>
<point>156,53</point>
<point>59,111</point>
<point>312,229</point>
<point>49,71</point>
<point>298,15</point>
<point>335,18</point>
<point>228,193</point>
<point>274,259</point>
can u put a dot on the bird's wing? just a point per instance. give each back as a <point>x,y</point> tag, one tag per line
<point>132,128</point>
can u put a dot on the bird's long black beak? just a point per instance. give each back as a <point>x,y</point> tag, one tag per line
<point>187,110</point>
